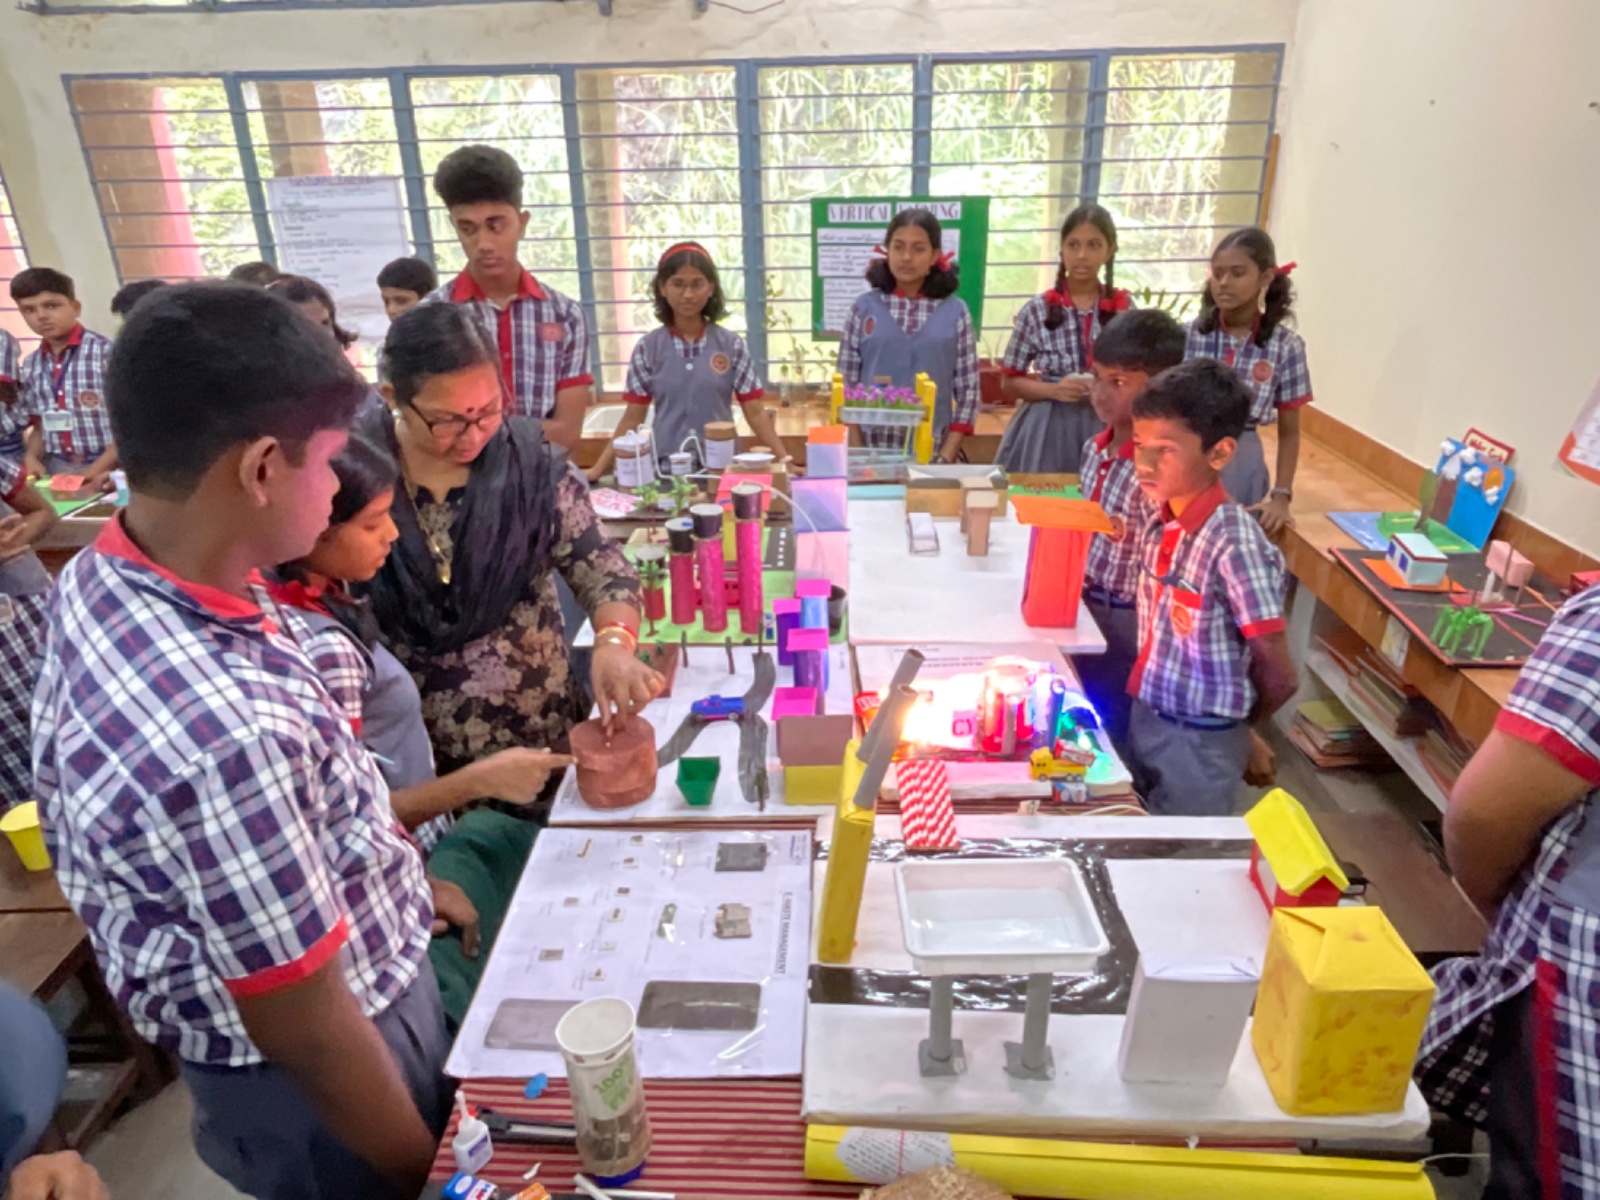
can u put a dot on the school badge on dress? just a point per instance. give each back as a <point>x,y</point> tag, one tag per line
<point>720,363</point>
<point>88,399</point>
<point>551,331</point>
<point>1181,619</point>
<point>868,325</point>
<point>1119,527</point>
<point>1261,372</point>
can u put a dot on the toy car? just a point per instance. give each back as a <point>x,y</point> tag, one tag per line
<point>1067,762</point>
<point>718,708</point>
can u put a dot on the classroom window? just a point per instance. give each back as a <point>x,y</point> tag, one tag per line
<point>1183,161</point>
<point>660,155</point>
<point>826,130</point>
<point>522,115</point>
<point>1016,132</point>
<point>164,158</point>
<point>620,162</point>
<point>13,258</point>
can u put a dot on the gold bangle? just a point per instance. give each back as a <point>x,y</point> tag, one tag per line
<point>623,635</point>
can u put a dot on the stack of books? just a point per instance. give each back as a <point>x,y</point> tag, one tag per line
<point>1331,736</point>
<point>1443,752</point>
<point>1385,697</point>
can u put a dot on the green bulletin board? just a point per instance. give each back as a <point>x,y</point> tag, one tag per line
<point>844,232</point>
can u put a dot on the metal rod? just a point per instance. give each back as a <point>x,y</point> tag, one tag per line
<point>1036,1023</point>
<point>941,1016</point>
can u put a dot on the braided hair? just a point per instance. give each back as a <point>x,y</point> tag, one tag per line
<point>1057,299</point>
<point>1257,243</point>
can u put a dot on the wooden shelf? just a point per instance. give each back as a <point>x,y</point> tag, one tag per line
<point>1402,750</point>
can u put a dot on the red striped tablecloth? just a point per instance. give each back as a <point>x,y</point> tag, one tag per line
<point>711,1138</point>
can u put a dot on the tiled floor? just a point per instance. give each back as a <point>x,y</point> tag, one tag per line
<point>149,1155</point>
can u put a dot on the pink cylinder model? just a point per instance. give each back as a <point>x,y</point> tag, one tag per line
<point>708,556</point>
<point>747,554</point>
<point>680,569</point>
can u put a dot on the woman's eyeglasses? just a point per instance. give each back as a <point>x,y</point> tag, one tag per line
<point>454,427</point>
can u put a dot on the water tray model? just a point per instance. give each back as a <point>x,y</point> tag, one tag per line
<point>1003,917</point>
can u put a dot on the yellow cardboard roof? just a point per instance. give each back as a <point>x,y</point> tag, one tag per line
<point>1291,844</point>
<point>1348,949</point>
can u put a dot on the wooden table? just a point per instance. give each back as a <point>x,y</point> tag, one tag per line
<point>25,891</point>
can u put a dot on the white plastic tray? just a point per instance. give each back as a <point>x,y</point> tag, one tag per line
<point>1000,917</point>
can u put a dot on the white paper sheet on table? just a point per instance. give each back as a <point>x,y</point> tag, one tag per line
<point>707,675</point>
<point>590,918</point>
<point>986,780</point>
<point>861,1061</point>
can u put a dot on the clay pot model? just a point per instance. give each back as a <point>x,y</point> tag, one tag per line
<point>614,772</point>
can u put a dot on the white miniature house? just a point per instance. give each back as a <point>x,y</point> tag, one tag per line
<point>1416,559</point>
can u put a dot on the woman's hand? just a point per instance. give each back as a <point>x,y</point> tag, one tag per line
<point>622,684</point>
<point>515,776</point>
<point>63,1176</point>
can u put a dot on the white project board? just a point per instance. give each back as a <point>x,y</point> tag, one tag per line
<point>707,675</point>
<point>340,231</point>
<point>861,1062</point>
<point>979,780</point>
<point>900,598</point>
<point>618,912</point>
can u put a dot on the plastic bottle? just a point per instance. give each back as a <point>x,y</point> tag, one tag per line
<point>471,1145</point>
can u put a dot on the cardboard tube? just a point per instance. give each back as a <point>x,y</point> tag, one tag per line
<point>910,663</point>
<point>891,716</point>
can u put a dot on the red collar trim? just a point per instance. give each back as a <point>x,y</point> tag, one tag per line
<point>114,541</point>
<point>903,296</point>
<point>295,594</point>
<point>466,288</point>
<point>75,338</point>
<point>1199,510</point>
<point>1102,441</point>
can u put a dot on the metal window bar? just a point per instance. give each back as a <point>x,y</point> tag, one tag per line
<point>757,132</point>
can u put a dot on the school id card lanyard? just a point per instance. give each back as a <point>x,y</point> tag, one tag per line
<point>59,420</point>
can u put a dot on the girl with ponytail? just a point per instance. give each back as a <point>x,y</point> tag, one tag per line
<point>910,322</point>
<point>1048,360</point>
<point>1243,309</point>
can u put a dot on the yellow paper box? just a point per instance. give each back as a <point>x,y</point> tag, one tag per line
<point>1340,1012</point>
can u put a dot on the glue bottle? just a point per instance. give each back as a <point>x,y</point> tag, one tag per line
<point>471,1145</point>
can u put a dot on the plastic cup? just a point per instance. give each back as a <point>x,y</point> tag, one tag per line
<point>596,1040</point>
<point>697,779</point>
<point>21,825</point>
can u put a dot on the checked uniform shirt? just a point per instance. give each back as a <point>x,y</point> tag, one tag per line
<point>212,818</point>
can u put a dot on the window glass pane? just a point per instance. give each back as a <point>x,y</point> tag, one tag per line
<point>13,258</point>
<point>661,165</point>
<point>521,114</point>
<point>167,175</point>
<point>1013,131</point>
<point>825,131</point>
<point>1185,143</point>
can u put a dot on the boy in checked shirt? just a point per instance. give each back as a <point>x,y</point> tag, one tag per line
<point>1132,348</point>
<point>63,382</point>
<point>1213,659</point>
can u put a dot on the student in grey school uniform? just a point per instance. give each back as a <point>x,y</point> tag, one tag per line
<point>25,516</point>
<point>1243,307</point>
<point>1213,656</point>
<point>1055,335</point>
<point>689,368</point>
<point>910,322</point>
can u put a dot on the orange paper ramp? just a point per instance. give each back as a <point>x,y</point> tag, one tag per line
<point>1058,512</point>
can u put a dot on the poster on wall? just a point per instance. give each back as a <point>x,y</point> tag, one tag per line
<point>340,231</point>
<point>846,233</point>
<point>1580,449</point>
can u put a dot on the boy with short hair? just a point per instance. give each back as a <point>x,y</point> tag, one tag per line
<point>63,382</point>
<point>404,283</point>
<point>542,335</point>
<point>130,294</point>
<point>1213,658</point>
<point>1130,349</point>
<point>212,817</point>
<point>256,274</point>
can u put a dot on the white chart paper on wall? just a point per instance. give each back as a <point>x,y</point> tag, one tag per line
<point>704,933</point>
<point>340,231</point>
<point>843,256</point>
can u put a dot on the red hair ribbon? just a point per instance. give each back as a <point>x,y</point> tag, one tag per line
<point>879,252</point>
<point>671,250</point>
<point>1286,268</point>
<point>944,260</point>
